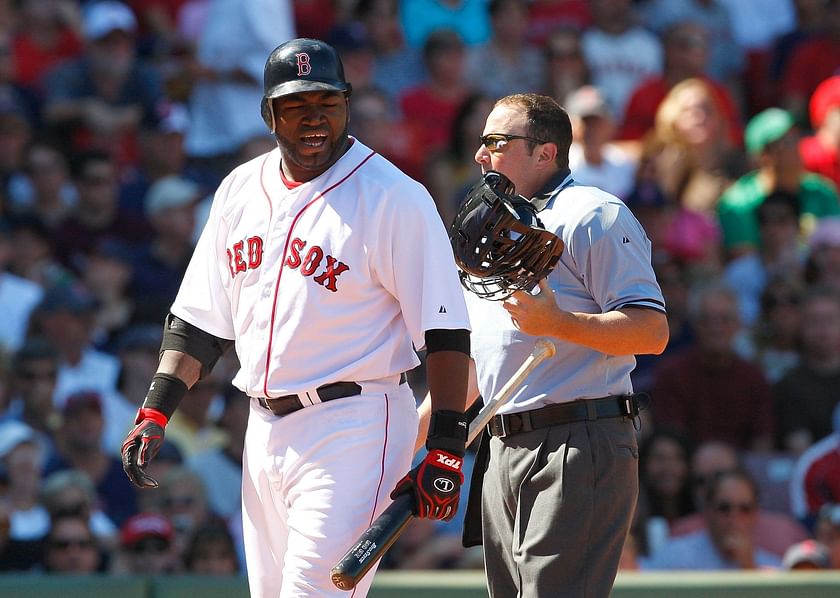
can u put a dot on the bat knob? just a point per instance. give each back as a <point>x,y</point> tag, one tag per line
<point>342,581</point>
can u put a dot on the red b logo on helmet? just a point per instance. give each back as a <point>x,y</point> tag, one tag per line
<point>304,68</point>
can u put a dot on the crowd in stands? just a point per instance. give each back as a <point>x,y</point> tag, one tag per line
<point>716,121</point>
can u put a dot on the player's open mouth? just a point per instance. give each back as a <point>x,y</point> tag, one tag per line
<point>315,140</point>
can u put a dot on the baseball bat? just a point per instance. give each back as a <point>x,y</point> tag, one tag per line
<point>384,531</point>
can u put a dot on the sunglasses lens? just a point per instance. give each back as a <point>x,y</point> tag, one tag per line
<point>493,142</point>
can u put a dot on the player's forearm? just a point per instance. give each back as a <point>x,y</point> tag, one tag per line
<point>629,332</point>
<point>180,365</point>
<point>447,373</point>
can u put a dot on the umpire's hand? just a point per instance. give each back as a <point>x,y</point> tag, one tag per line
<point>436,485</point>
<point>142,445</point>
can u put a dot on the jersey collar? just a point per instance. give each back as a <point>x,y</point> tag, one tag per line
<point>559,181</point>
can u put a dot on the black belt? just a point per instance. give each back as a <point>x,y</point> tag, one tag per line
<point>328,392</point>
<point>564,413</point>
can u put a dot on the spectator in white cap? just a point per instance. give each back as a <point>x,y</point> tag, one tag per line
<point>102,96</point>
<point>22,457</point>
<point>594,160</point>
<point>807,555</point>
<point>170,208</point>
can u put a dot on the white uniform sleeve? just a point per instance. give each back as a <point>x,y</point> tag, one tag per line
<point>203,299</point>
<point>615,259</point>
<point>414,262</point>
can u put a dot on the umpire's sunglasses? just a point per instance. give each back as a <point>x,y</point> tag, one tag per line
<point>496,141</point>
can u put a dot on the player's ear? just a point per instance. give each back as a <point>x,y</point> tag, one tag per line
<point>547,154</point>
<point>267,112</point>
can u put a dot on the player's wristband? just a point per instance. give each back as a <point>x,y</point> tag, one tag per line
<point>447,432</point>
<point>165,394</point>
<point>147,413</point>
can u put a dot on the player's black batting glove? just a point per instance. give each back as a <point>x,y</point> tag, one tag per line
<point>142,445</point>
<point>436,481</point>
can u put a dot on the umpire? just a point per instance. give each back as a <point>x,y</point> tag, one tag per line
<point>560,459</point>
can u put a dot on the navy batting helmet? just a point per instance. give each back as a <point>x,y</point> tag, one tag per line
<point>300,65</point>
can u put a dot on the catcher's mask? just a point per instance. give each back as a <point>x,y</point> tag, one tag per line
<point>499,243</point>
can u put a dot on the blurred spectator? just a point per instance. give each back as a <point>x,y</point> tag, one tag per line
<point>146,547</point>
<point>807,394</point>
<point>228,72</point>
<point>22,458</point>
<point>356,50</point>
<point>169,458</point>
<point>70,492</point>
<point>15,135</point>
<point>71,548</point>
<point>138,349</point>
<point>708,391</point>
<point>159,266</point>
<point>773,341</point>
<point>396,66</point>
<point>16,555</point>
<point>620,54</point>
<point>190,428</point>
<point>822,267</point>
<point>756,23</point>
<point>373,121</point>
<point>107,273</point>
<point>183,501</point>
<point>772,140</point>
<point>827,531</point>
<point>779,254</point>
<point>507,63</point>
<point>816,477</point>
<point>665,485</point>
<point>821,151</point>
<point>65,316</point>
<point>32,255</point>
<point>547,16</point>
<point>15,95</point>
<point>421,18</point>
<point>432,105</point>
<point>47,32</point>
<point>220,468</point>
<point>699,159</point>
<point>813,61</point>
<point>810,22</point>
<point>807,555</point>
<point>726,57</point>
<point>18,296</point>
<point>316,18</point>
<point>593,159</point>
<point>211,551</point>
<point>49,192</point>
<point>730,513</point>
<point>34,371</point>
<point>79,443</point>
<point>192,15</point>
<point>774,531</point>
<point>566,69</point>
<point>686,52</point>
<point>451,172</point>
<point>99,99</point>
<point>98,213</point>
<point>161,154</point>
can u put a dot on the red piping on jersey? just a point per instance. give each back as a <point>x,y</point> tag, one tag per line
<point>381,470</point>
<point>283,263</point>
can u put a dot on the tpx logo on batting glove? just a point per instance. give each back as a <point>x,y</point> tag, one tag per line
<point>436,484</point>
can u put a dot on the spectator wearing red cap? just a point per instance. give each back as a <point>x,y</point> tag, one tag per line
<point>821,151</point>
<point>146,547</point>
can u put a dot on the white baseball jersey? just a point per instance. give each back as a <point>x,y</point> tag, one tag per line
<point>329,281</point>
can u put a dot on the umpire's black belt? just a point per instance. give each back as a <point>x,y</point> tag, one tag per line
<point>328,392</point>
<point>564,413</point>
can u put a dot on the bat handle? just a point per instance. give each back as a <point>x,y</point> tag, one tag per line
<point>374,542</point>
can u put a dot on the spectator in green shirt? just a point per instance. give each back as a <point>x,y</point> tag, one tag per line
<point>771,139</point>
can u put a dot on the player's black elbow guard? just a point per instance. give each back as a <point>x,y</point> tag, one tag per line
<point>440,339</point>
<point>182,336</point>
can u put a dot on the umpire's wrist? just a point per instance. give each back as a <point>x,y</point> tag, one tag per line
<point>447,432</point>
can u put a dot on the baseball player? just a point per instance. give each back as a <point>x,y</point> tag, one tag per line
<point>561,458</point>
<point>322,264</point>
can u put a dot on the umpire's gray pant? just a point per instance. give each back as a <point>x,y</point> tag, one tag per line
<point>556,509</point>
